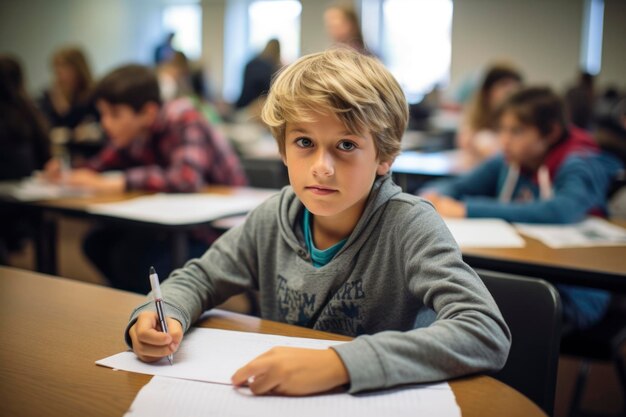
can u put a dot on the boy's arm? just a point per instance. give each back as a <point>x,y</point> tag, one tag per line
<point>482,180</point>
<point>469,334</point>
<point>227,268</point>
<point>579,186</point>
<point>200,155</point>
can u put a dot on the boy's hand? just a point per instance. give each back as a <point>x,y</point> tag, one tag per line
<point>149,343</point>
<point>293,371</point>
<point>52,170</point>
<point>86,178</point>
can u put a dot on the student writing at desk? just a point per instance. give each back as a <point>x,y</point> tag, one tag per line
<point>24,148</point>
<point>158,147</point>
<point>549,172</point>
<point>342,250</point>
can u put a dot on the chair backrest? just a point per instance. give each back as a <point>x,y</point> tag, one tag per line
<point>532,309</point>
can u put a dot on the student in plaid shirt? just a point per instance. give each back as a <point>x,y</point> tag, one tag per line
<point>158,146</point>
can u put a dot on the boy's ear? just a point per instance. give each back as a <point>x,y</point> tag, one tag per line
<point>150,111</point>
<point>383,167</point>
<point>555,133</point>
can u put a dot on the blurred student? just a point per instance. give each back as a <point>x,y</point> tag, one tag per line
<point>610,133</point>
<point>164,51</point>
<point>342,25</point>
<point>579,101</point>
<point>257,76</point>
<point>178,79</point>
<point>24,147</point>
<point>476,134</point>
<point>157,147</point>
<point>68,104</point>
<point>341,250</point>
<point>549,172</point>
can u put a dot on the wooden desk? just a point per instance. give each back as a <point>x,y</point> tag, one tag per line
<point>54,329</point>
<point>47,213</point>
<point>598,267</point>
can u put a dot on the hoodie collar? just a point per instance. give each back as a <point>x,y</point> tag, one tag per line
<point>291,210</point>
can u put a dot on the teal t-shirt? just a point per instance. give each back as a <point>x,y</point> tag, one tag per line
<point>319,257</point>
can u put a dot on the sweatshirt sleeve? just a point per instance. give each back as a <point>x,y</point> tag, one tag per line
<point>227,268</point>
<point>579,186</point>
<point>469,334</point>
<point>483,180</point>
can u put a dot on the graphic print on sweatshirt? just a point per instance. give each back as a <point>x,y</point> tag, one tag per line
<point>342,314</point>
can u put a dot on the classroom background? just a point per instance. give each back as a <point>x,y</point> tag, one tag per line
<point>439,50</point>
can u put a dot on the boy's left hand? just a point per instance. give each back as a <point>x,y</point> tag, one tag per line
<point>293,371</point>
<point>86,178</point>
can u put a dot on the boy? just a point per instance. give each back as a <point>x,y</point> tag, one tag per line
<point>340,250</point>
<point>158,147</point>
<point>548,173</point>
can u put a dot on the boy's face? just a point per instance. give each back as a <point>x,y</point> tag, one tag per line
<point>331,170</point>
<point>122,124</point>
<point>522,144</point>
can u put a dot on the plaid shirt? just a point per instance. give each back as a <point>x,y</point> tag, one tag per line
<point>182,153</point>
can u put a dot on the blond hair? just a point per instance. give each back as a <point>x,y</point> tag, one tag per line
<point>356,88</point>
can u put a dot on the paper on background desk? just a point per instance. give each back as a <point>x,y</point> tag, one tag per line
<point>178,209</point>
<point>35,189</point>
<point>484,233</point>
<point>211,355</point>
<point>590,232</point>
<point>165,397</point>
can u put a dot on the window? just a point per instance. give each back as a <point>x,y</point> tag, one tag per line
<point>249,25</point>
<point>185,21</point>
<point>276,19</point>
<point>413,38</point>
<point>591,43</point>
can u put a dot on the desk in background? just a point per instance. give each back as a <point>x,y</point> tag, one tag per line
<point>47,212</point>
<point>54,329</point>
<point>597,267</point>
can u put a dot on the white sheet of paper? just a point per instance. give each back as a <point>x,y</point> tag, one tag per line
<point>34,189</point>
<point>166,397</point>
<point>590,232</point>
<point>211,355</point>
<point>177,209</point>
<point>484,233</point>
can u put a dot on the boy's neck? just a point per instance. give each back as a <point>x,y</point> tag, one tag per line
<point>327,231</point>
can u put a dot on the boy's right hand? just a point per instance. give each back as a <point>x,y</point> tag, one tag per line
<point>149,343</point>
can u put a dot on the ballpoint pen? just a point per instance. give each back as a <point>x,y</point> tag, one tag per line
<point>158,301</point>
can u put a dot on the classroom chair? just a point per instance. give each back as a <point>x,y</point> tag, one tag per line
<point>604,342</point>
<point>532,309</point>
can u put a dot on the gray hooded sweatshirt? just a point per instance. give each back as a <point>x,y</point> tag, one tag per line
<point>399,260</point>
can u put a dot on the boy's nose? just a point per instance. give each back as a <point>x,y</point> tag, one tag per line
<point>323,165</point>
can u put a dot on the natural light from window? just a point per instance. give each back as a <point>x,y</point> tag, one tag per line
<point>185,20</point>
<point>276,19</point>
<point>416,43</point>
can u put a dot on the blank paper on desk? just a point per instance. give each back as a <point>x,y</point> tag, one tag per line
<point>484,233</point>
<point>179,209</point>
<point>211,355</point>
<point>165,397</point>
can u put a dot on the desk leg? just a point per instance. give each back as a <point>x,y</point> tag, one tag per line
<point>179,248</point>
<point>45,245</point>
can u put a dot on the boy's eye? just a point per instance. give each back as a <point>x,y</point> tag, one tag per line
<point>304,142</point>
<point>346,145</point>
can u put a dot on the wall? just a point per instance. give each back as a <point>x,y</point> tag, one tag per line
<point>541,37</point>
<point>614,44</point>
<point>111,32</point>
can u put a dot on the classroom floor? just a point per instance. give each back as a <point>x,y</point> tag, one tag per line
<point>602,396</point>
